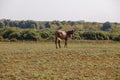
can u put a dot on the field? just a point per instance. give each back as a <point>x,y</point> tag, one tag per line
<point>42,61</point>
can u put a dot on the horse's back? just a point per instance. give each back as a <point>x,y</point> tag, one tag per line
<point>61,34</point>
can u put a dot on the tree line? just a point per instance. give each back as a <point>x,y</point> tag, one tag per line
<point>56,25</point>
<point>18,34</point>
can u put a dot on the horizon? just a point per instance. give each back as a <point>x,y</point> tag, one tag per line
<point>61,21</point>
<point>61,10</point>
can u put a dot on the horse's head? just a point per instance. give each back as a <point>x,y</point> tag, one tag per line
<point>71,32</point>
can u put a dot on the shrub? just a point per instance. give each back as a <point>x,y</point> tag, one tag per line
<point>106,26</point>
<point>117,38</point>
<point>1,38</point>
<point>15,35</point>
<point>92,35</point>
<point>44,35</point>
<point>30,35</point>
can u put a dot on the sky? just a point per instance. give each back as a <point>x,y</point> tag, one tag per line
<point>62,10</point>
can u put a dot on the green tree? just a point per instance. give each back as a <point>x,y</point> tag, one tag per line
<point>2,24</point>
<point>7,31</point>
<point>47,25</point>
<point>30,35</point>
<point>106,26</point>
<point>117,38</point>
<point>15,35</point>
<point>44,35</point>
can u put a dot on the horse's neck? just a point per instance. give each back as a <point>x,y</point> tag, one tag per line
<point>68,34</point>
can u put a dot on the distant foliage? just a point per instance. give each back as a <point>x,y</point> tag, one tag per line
<point>15,34</point>
<point>106,27</point>
<point>1,38</point>
<point>56,25</point>
<point>19,34</point>
<point>99,35</point>
<point>44,30</point>
<point>117,38</point>
<point>2,24</point>
<point>47,34</point>
<point>30,35</point>
<point>47,25</point>
<point>96,35</point>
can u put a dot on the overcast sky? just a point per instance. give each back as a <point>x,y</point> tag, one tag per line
<point>49,10</point>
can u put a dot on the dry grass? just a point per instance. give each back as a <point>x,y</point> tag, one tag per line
<point>41,61</point>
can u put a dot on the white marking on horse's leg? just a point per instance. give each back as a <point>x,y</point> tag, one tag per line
<point>59,39</point>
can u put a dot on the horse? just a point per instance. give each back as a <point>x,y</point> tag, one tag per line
<point>62,35</point>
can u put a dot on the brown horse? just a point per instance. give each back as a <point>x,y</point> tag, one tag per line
<point>62,35</point>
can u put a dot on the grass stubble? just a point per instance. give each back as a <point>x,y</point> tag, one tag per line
<point>41,61</point>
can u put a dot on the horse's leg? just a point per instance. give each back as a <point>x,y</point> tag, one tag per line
<point>59,43</point>
<point>56,42</point>
<point>65,43</point>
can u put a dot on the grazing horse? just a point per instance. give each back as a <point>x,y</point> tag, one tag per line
<point>62,35</point>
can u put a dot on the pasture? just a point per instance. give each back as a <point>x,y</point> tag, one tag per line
<point>42,61</point>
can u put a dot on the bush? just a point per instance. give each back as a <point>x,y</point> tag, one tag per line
<point>47,34</point>
<point>15,35</point>
<point>102,36</point>
<point>117,38</point>
<point>7,32</point>
<point>93,35</point>
<point>1,38</point>
<point>89,35</point>
<point>77,36</point>
<point>30,35</point>
<point>10,32</point>
<point>106,27</point>
<point>44,35</point>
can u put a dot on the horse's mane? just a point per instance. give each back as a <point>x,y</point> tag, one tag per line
<point>70,32</point>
